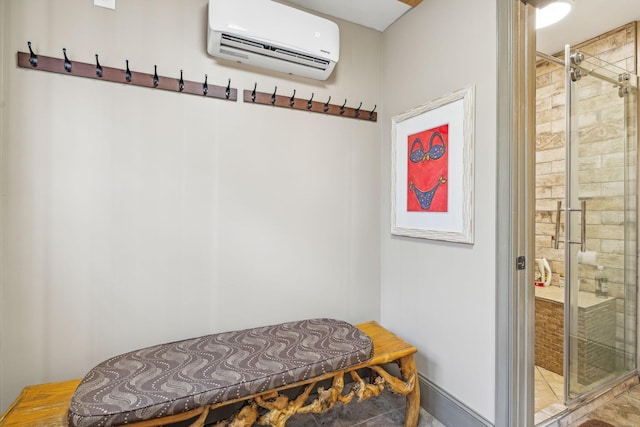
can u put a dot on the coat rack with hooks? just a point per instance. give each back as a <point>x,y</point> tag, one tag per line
<point>291,102</point>
<point>126,76</point>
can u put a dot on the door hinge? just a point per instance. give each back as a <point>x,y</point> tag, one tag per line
<point>521,262</point>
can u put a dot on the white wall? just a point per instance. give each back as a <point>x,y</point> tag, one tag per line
<point>132,216</point>
<point>441,296</point>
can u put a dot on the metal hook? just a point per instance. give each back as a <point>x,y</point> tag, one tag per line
<point>342,108</point>
<point>180,83</point>
<point>67,63</point>
<point>33,58</point>
<point>253,94</point>
<point>273,97</point>
<point>98,67</point>
<point>358,110</point>
<point>309,104</point>
<point>372,111</point>
<point>127,72</point>
<point>292,100</point>
<point>205,86</point>
<point>156,79</point>
<point>326,106</point>
<point>227,91</point>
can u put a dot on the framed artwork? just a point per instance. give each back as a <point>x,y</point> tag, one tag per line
<point>432,169</point>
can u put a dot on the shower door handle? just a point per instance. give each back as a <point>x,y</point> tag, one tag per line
<point>557,236</point>
<point>583,225</point>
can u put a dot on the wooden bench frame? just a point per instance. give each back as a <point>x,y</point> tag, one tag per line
<point>47,404</point>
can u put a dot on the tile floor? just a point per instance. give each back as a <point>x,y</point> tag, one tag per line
<point>621,411</point>
<point>549,394</point>
<point>618,406</point>
<point>386,410</point>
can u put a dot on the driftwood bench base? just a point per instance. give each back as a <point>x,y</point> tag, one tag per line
<point>47,404</point>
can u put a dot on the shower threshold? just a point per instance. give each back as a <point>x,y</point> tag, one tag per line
<point>590,403</point>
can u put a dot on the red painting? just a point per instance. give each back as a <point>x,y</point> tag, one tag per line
<point>428,170</point>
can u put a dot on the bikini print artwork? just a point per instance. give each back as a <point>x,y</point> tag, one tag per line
<point>427,170</point>
<point>432,169</point>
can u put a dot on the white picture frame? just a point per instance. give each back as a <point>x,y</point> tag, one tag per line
<point>432,184</point>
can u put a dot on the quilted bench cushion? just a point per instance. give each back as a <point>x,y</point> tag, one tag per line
<point>172,378</point>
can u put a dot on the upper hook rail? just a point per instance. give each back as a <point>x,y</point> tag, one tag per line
<point>98,67</point>
<point>253,93</point>
<point>33,58</point>
<point>326,105</point>
<point>95,70</point>
<point>127,72</point>
<point>67,63</point>
<point>292,100</point>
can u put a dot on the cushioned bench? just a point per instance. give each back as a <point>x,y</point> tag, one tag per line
<point>187,379</point>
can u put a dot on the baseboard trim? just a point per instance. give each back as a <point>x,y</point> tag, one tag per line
<point>447,409</point>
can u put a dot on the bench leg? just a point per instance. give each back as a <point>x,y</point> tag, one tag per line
<point>410,375</point>
<point>280,408</point>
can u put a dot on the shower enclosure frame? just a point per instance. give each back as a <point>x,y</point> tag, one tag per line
<point>571,298</point>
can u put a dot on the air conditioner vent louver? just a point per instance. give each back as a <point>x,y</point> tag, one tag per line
<point>240,40</point>
<point>302,56</point>
<point>229,40</point>
<point>291,41</point>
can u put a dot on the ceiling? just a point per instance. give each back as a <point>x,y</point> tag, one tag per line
<point>588,19</point>
<point>376,14</point>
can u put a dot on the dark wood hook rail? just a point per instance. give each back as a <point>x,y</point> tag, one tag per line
<point>290,102</point>
<point>97,71</point>
<point>100,72</point>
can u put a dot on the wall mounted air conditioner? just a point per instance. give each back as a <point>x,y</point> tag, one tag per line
<point>271,35</point>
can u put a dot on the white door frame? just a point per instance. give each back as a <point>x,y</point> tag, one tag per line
<point>515,214</point>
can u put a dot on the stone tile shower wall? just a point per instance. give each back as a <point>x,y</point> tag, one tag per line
<point>601,169</point>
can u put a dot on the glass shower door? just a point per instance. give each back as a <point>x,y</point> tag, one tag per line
<point>600,224</point>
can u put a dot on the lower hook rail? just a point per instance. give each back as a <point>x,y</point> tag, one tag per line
<point>254,97</point>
